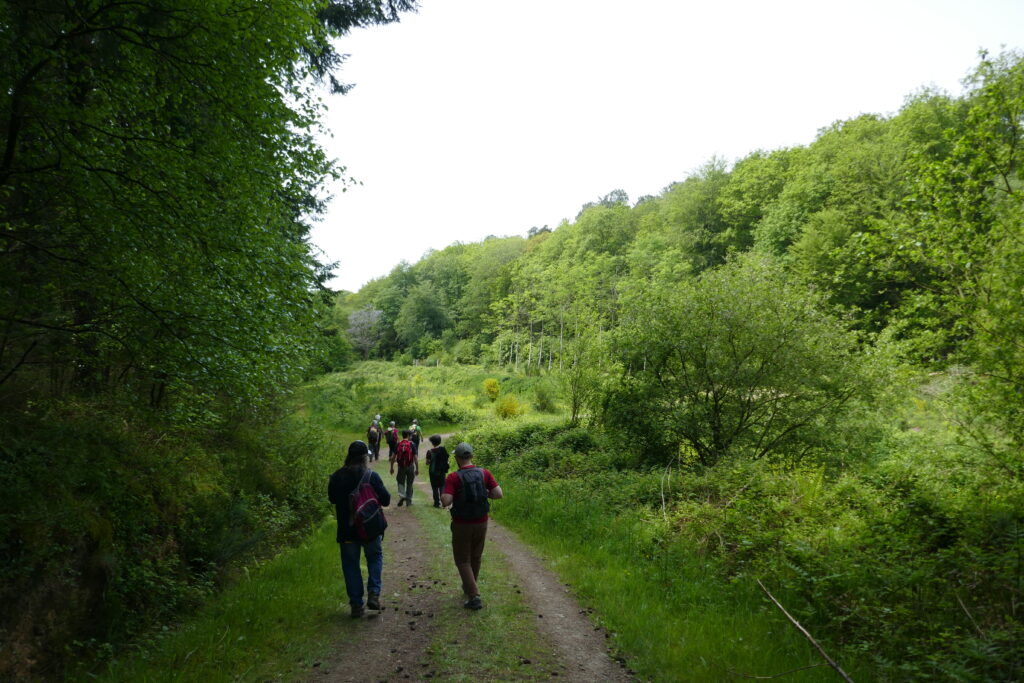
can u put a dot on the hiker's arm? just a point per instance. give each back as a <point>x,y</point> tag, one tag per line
<point>495,493</point>
<point>383,495</point>
<point>448,494</point>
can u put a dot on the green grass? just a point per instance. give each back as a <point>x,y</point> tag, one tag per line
<point>674,617</point>
<point>440,397</point>
<point>273,622</point>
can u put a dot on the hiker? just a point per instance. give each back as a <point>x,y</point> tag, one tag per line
<point>373,437</point>
<point>415,435</point>
<point>342,484</point>
<point>467,491</point>
<point>408,467</point>
<point>437,467</point>
<point>392,438</point>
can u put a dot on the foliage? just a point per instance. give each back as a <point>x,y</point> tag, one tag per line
<point>111,526</point>
<point>441,395</point>
<point>491,389</point>
<point>904,565</point>
<point>736,362</point>
<point>508,407</point>
<point>159,299</point>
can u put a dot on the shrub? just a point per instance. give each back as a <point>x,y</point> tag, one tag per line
<point>544,398</point>
<point>508,407</point>
<point>492,388</point>
<point>740,361</point>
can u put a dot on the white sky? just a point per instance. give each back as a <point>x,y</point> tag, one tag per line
<point>476,117</point>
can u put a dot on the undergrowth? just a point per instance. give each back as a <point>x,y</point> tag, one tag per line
<point>116,520</point>
<point>903,566</point>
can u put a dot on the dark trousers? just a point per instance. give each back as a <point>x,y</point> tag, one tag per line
<point>467,549</point>
<point>437,486</point>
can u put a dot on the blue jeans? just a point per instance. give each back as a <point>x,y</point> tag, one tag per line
<point>350,552</point>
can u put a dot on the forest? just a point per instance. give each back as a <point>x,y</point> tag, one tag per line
<point>803,367</point>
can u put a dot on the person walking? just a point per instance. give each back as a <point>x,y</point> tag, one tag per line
<point>339,489</point>
<point>408,467</point>
<point>373,438</point>
<point>437,467</point>
<point>391,435</point>
<point>415,436</point>
<point>468,492</point>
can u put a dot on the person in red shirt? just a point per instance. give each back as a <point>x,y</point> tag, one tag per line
<point>468,492</point>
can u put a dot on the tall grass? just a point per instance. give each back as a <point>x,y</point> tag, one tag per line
<point>669,610</point>
<point>275,621</point>
<point>440,397</point>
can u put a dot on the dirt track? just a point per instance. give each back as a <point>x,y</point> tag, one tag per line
<point>391,646</point>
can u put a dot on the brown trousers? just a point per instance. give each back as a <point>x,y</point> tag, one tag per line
<point>467,549</point>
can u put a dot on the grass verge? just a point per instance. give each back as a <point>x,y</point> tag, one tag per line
<point>674,619</point>
<point>272,623</point>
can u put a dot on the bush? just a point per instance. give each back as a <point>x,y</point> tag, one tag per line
<point>544,398</point>
<point>508,407</point>
<point>739,362</point>
<point>491,389</point>
<point>114,519</point>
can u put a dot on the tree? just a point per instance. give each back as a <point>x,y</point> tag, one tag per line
<point>363,329</point>
<point>158,176</point>
<point>421,318</point>
<point>736,362</point>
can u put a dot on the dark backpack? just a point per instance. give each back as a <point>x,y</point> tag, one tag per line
<point>438,460</point>
<point>471,501</point>
<point>366,514</point>
<point>405,456</point>
<point>374,434</point>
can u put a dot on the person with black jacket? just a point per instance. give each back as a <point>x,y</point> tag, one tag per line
<point>437,467</point>
<point>341,485</point>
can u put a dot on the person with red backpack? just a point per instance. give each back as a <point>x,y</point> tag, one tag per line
<point>468,492</point>
<point>352,489</point>
<point>404,456</point>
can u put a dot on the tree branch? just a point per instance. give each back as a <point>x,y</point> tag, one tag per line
<point>805,634</point>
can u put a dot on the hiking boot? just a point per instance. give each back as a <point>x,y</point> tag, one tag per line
<point>358,611</point>
<point>373,602</point>
<point>437,505</point>
<point>473,603</point>
<point>401,499</point>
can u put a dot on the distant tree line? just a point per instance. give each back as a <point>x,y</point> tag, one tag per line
<point>905,229</point>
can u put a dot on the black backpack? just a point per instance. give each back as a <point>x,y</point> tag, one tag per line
<point>471,502</point>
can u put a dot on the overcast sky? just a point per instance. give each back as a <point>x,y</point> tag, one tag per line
<point>474,118</point>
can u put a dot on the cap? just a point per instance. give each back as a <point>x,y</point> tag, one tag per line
<point>358,448</point>
<point>463,450</point>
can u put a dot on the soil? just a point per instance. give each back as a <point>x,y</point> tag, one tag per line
<point>392,644</point>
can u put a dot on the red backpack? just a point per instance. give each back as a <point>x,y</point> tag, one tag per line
<point>366,514</point>
<point>405,456</point>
